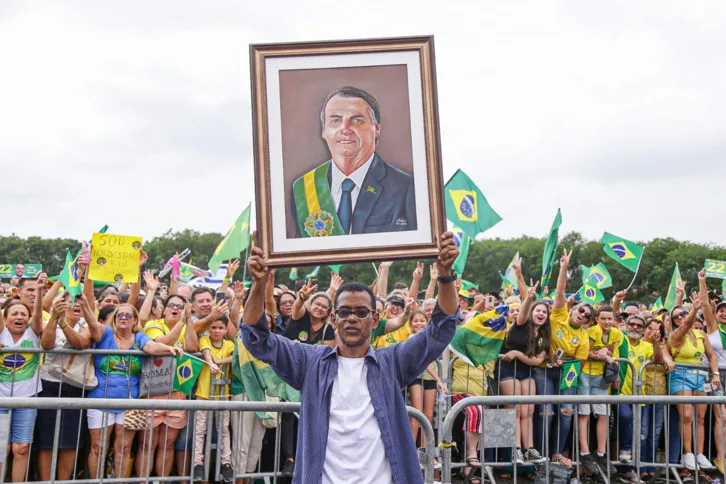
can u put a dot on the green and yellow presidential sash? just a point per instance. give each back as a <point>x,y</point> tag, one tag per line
<point>314,204</point>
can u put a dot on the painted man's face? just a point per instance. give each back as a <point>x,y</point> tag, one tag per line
<point>349,130</point>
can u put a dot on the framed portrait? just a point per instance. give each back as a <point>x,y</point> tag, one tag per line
<point>347,150</point>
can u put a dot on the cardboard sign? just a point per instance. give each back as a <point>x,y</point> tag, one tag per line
<point>8,271</point>
<point>715,268</point>
<point>115,258</point>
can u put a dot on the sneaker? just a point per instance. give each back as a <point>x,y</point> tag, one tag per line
<point>288,468</point>
<point>518,457</point>
<point>630,477</point>
<point>588,464</point>
<point>689,461</point>
<point>719,465</point>
<point>227,473</point>
<point>625,456</point>
<point>533,455</point>
<point>605,465</point>
<point>703,463</point>
<point>198,475</point>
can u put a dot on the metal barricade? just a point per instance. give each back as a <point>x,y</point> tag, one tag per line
<point>654,381</point>
<point>61,406</point>
<point>542,433</point>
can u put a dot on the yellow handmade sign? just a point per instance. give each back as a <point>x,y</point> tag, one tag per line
<point>115,258</point>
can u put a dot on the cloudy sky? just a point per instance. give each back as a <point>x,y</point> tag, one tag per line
<point>136,114</point>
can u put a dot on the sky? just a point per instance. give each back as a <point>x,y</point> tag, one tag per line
<point>136,114</point>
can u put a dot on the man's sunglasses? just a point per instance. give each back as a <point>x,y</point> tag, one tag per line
<point>359,313</point>
<point>635,325</point>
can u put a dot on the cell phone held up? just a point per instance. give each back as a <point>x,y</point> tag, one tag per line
<point>220,297</point>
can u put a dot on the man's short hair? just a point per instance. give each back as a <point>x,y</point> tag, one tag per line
<point>402,286</point>
<point>353,92</point>
<point>355,287</point>
<point>23,280</point>
<point>202,290</point>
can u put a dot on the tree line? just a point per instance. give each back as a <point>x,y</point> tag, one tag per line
<point>486,259</point>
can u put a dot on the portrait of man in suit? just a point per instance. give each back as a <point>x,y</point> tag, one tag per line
<point>355,191</point>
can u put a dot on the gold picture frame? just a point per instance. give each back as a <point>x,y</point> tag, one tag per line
<point>396,211</point>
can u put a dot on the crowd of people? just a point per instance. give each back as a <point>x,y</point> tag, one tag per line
<point>621,348</point>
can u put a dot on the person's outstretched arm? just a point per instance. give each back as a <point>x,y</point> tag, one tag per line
<point>287,358</point>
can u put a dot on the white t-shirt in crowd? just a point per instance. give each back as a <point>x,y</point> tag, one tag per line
<point>19,371</point>
<point>717,345</point>
<point>355,453</point>
<point>60,342</point>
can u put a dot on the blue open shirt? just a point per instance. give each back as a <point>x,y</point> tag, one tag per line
<point>311,369</point>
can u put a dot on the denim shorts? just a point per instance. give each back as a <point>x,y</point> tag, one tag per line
<point>510,370</point>
<point>686,379</point>
<point>22,422</point>
<point>590,385</point>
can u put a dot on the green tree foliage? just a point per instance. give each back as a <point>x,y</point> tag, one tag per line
<point>486,259</point>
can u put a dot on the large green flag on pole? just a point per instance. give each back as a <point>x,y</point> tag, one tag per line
<point>235,242</point>
<point>467,207</point>
<point>676,280</point>
<point>549,256</point>
<point>462,241</point>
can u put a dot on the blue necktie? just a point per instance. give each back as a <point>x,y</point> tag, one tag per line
<point>345,208</point>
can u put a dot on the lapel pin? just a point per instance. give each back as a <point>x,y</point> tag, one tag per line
<point>371,189</point>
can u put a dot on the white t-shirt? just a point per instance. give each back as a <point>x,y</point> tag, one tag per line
<point>60,342</point>
<point>355,453</point>
<point>717,344</point>
<point>19,371</point>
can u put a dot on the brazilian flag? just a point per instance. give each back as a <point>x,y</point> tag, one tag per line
<point>600,273</point>
<point>570,374</point>
<point>627,253</point>
<point>480,340</point>
<point>188,368</point>
<point>293,274</point>
<point>590,293</point>
<point>467,207</point>
<point>70,278</point>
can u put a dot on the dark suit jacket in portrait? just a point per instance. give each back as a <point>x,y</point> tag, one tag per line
<point>385,203</point>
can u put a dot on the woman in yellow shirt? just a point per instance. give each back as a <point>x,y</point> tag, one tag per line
<point>687,346</point>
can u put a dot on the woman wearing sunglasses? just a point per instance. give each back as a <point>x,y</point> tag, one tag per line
<point>688,346</point>
<point>569,341</point>
<point>175,329</point>
<point>118,377</point>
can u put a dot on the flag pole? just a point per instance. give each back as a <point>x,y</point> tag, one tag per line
<point>375,268</point>
<point>636,269</point>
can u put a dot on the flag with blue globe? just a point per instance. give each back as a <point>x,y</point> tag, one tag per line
<point>467,207</point>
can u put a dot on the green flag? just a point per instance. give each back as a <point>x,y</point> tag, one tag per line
<point>480,340</point>
<point>258,378</point>
<point>235,242</point>
<point>336,268</point>
<point>549,256</point>
<point>627,253</point>
<point>188,368</point>
<point>313,274</point>
<point>462,241</point>
<point>600,273</point>
<point>723,288</point>
<point>670,300</point>
<point>467,207</point>
<point>590,293</point>
<point>69,277</point>
<point>293,274</point>
<point>658,304</point>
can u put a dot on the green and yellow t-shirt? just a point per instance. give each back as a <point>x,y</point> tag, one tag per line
<point>638,355</point>
<point>398,336</point>
<point>204,384</point>
<point>614,340</point>
<point>573,340</point>
<point>158,327</point>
